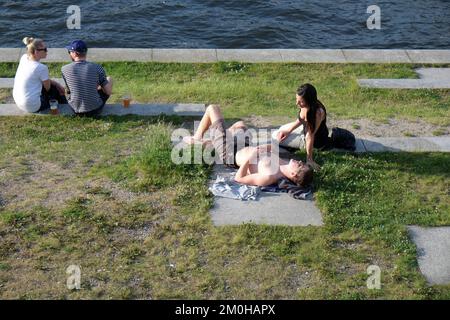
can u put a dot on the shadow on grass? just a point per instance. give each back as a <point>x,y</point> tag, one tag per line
<point>417,163</point>
<point>383,192</point>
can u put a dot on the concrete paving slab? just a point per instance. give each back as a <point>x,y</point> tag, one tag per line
<point>10,54</point>
<point>8,83</point>
<point>64,110</point>
<point>194,110</point>
<point>23,51</point>
<point>442,74</point>
<point>376,56</point>
<point>249,55</point>
<point>433,253</point>
<point>57,55</point>
<point>430,78</point>
<point>11,110</point>
<point>119,54</point>
<point>313,55</point>
<point>269,209</point>
<point>412,144</point>
<point>184,55</point>
<point>429,56</point>
<point>360,147</point>
<point>403,84</point>
<point>442,142</point>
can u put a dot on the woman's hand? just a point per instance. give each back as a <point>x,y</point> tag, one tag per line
<point>282,135</point>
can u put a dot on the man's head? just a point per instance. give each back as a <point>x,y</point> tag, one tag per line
<point>77,50</point>
<point>300,173</point>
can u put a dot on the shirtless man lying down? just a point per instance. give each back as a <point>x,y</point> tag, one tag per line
<point>258,166</point>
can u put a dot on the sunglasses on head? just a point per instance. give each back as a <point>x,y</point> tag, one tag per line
<point>43,49</point>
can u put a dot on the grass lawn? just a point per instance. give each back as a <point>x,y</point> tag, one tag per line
<point>269,89</point>
<point>103,194</point>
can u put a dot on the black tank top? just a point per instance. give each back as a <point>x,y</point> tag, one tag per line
<point>321,136</point>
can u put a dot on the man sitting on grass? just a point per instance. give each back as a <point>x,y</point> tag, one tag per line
<point>258,166</point>
<point>88,86</point>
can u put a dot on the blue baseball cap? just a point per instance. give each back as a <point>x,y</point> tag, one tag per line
<point>77,46</point>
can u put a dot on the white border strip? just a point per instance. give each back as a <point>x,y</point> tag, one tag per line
<point>245,55</point>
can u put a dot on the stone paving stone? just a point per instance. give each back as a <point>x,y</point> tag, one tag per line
<point>155,109</point>
<point>269,209</point>
<point>117,109</point>
<point>429,56</point>
<point>430,78</point>
<point>10,54</point>
<point>313,55</point>
<point>184,55</point>
<point>57,55</point>
<point>443,143</point>
<point>433,253</point>
<point>249,55</point>
<point>8,83</point>
<point>403,84</point>
<point>360,147</point>
<point>118,54</point>
<point>376,56</point>
<point>442,74</point>
<point>414,144</point>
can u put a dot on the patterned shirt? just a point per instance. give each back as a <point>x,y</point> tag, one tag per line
<point>82,79</point>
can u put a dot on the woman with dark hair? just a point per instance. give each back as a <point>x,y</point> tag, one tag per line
<point>309,130</point>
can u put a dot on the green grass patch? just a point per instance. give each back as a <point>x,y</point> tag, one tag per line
<point>245,89</point>
<point>439,132</point>
<point>105,195</point>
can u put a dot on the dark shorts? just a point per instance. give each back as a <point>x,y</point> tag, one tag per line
<point>97,111</point>
<point>46,96</point>
<point>225,147</point>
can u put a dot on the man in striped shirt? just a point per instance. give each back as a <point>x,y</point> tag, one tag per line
<point>88,86</point>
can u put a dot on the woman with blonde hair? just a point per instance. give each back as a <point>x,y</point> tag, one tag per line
<point>33,88</point>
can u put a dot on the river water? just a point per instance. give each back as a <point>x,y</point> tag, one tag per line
<point>405,24</point>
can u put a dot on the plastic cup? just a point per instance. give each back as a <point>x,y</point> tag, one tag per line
<point>54,107</point>
<point>126,99</point>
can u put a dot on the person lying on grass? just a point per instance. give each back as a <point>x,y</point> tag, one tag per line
<point>258,166</point>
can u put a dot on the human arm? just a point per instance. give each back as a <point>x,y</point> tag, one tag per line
<point>256,179</point>
<point>309,140</point>
<point>104,82</point>
<point>287,129</point>
<point>47,84</point>
<point>44,76</point>
<point>67,89</point>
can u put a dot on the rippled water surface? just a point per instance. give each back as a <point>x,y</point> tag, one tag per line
<point>230,24</point>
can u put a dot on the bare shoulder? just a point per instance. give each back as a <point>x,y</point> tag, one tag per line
<point>321,112</point>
